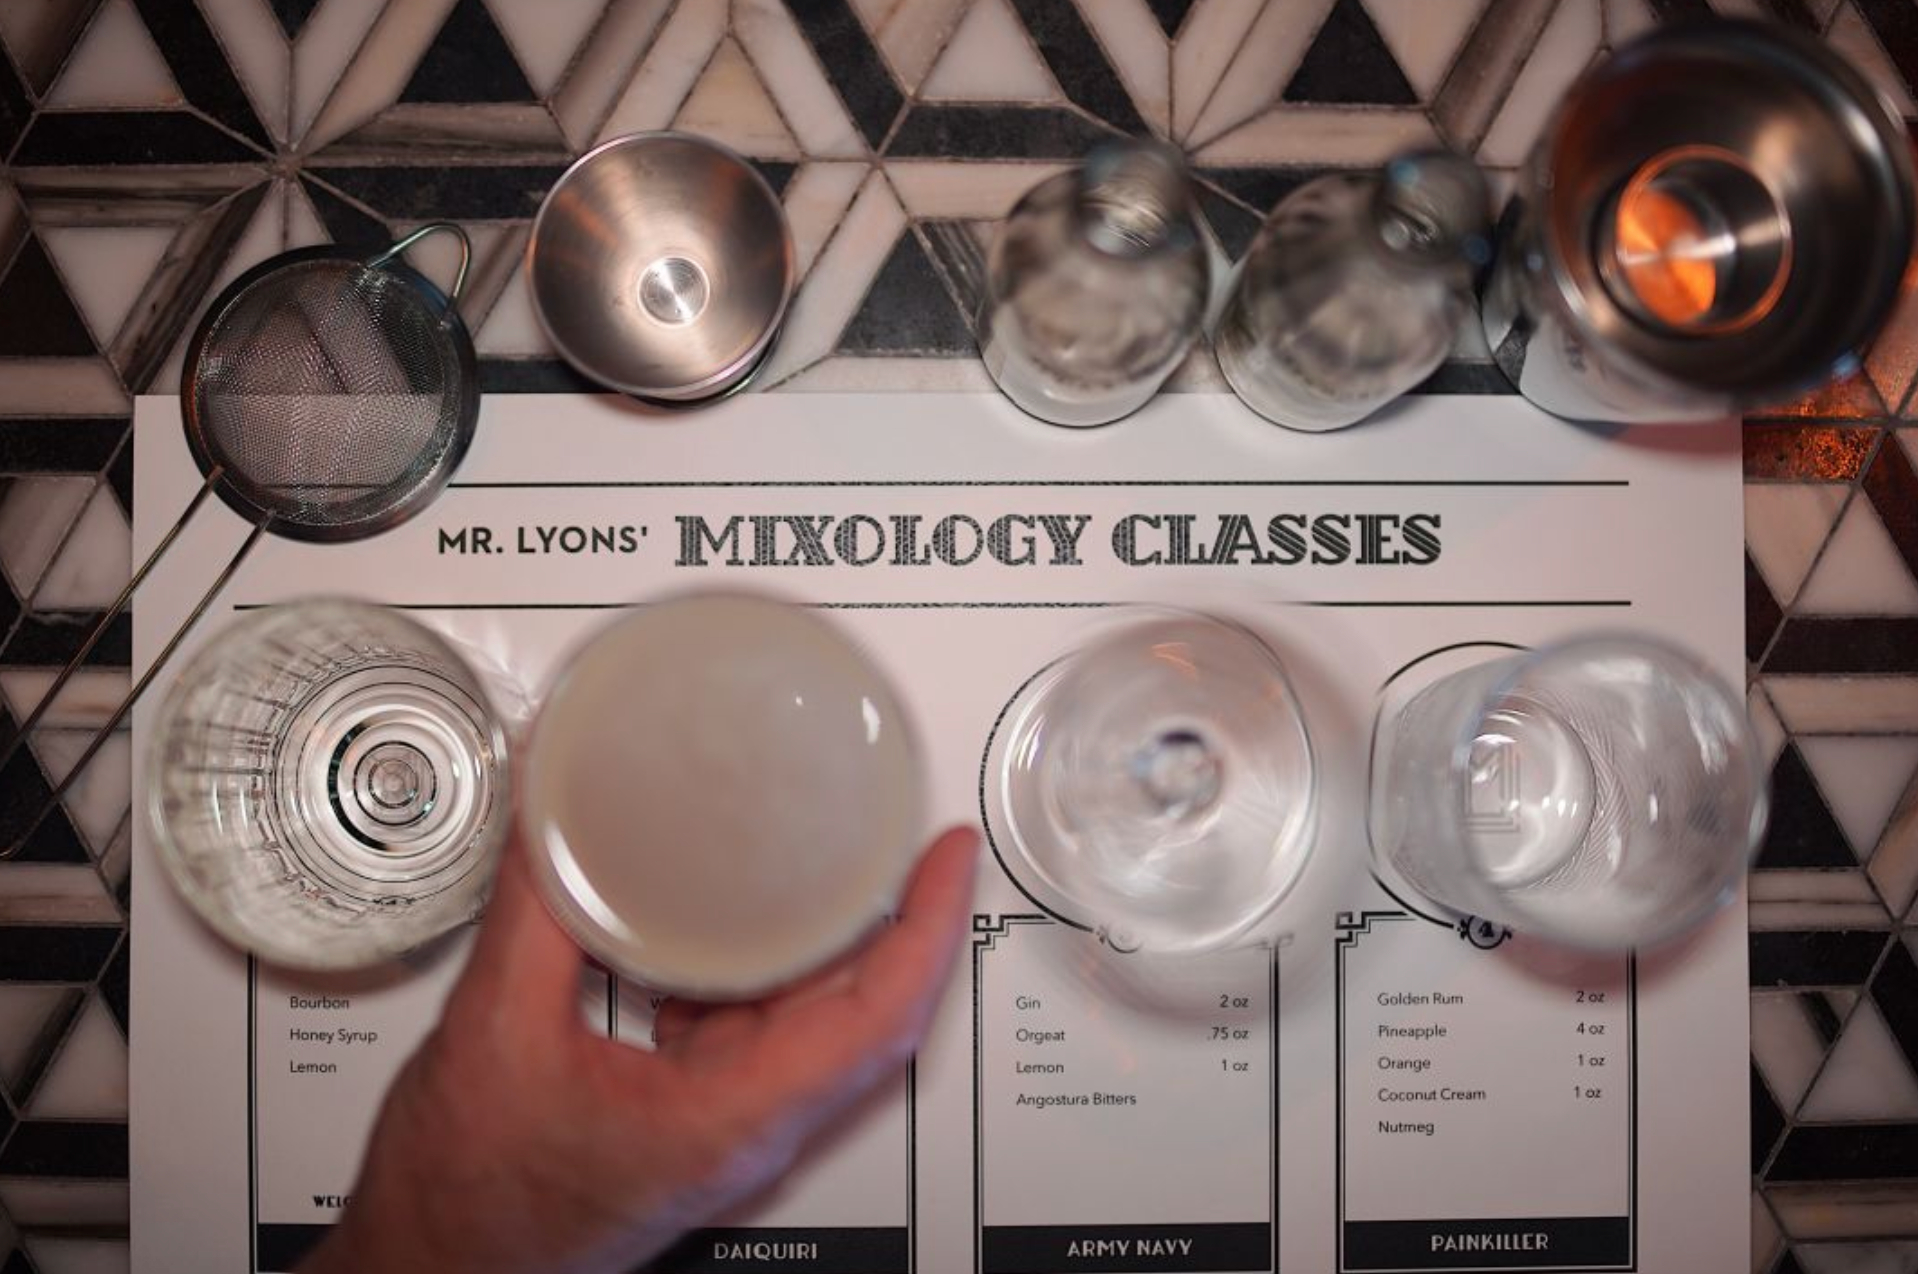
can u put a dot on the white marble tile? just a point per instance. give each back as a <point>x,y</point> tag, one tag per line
<point>913,34</point>
<point>832,291</point>
<point>1766,727</point>
<point>255,44</point>
<point>94,564</point>
<point>874,12</point>
<point>25,1008</point>
<point>1846,705</point>
<point>495,265</point>
<point>60,1255</point>
<point>1894,352</point>
<point>669,70</point>
<point>100,797</point>
<point>730,105</point>
<point>36,514</point>
<point>1866,1076</point>
<point>1785,525</point>
<point>378,68</point>
<point>1814,886</point>
<point>1208,40</point>
<point>1197,373</point>
<point>955,190</point>
<point>1261,65</point>
<point>1565,48</point>
<point>115,64</point>
<point>1799,916</point>
<point>1850,35</point>
<point>1767,1238</point>
<point>54,894</point>
<point>791,73</point>
<point>84,703</point>
<point>88,1076</point>
<point>512,327</point>
<point>1863,779</point>
<point>1424,36</point>
<point>1861,571</point>
<point>990,58</point>
<point>1812,1212</point>
<point>37,1202</point>
<point>847,374</point>
<point>264,236</point>
<point>605,63</point>
<point>62,387</point>
<point>1303,135</point>
<point>105,269</point>
<point>1877,1256</point>
<point>117,860</point>
<point>39,33</point>
<point>1787,1048</point>
<point>815,199</point>
<point>1135,44</point>
<point>1894,867</point>
<point>303,226</point>
<point>544,36</point>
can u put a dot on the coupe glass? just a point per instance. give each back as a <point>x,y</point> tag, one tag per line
<point>1156,785</point>
<point>326,784</point>
<point>1605,793</point>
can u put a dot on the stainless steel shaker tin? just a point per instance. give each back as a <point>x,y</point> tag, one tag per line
<point>661,265</point>
<point>1716,218</point>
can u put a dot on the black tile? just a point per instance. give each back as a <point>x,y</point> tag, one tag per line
<point>293,15</point>
<point>777,172</point>
<point>120,478</point>
<point>143,348</point>
<point>468,61</point>
<point>1073,55</point>
<point>55,953</point>
<point>1896,24</point>
<point>16,108</point>
<point>85,1148</point>
<point>83,139</point>
<point>7,1121</point>
<point>907,310</point>
<point>1806,453</point>
<point>994,132</point>
<point>958,256</point>
<point>1462,376</point>
<point>1893,490</point>
<point>1846,1152</point>
<point>1887,644</point>
<point>533,376</point>
<point>200,67</point>
<point>1170,13</point>
<point>345,223</point>
<point>115,983</point>
<point>1232,225</point>
<point>1762,612</point>
<point>1666,10</point>
<point>23,794</point>
<point>18,1263</point>
<point>37,318</point>
<point>1802,832</point>
<point>1768,1122</point>
<point>60,444</point>
<point>1796,12</point>
<point>1261,188</point>
<point>1822,1015</point>
<point>1895,989</point>
<point>1349,63</point>
<point>846,53</point>
<point>1787,1263</point>
<point>1817,957</point>
<point>47,639</point>
<point>504,193</point>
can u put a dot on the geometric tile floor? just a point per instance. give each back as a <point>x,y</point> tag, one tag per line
<point>150,150</point>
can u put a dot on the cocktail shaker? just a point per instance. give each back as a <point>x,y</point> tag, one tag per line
<point>1354,289</point>
<point>1096,286</point>
<point>1716,218</point>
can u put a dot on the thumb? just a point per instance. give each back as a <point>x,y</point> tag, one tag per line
<point>524,965</point>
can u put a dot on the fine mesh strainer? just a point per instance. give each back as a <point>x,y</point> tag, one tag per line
<point>327,397</point>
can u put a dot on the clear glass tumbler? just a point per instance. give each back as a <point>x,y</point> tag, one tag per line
<point>327,785</point>
<point>1605,793</point>
<point>1156,785</point>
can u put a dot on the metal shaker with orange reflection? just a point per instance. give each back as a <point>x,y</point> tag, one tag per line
<point>1716,218</point>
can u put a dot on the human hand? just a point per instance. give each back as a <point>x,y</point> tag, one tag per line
<point>517,1139</point>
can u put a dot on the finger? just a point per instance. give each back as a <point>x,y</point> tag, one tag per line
<point>826,1051</point>
<point>524,965</point>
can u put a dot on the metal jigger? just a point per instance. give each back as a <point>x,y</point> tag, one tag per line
<point>1096,286</point>
<point>661,265</point>
<point>1716,218</point>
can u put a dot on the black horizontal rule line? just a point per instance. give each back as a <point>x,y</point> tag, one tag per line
<point>730,484</point>
<point>1451,603</point>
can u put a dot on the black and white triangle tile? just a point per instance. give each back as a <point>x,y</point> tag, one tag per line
<point>150,150</point>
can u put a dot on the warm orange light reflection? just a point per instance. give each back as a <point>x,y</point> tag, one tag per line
<point>1665,256</point>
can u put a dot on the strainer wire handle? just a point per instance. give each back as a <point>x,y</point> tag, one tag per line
<point>432,227</point>
<point>105,732</point>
